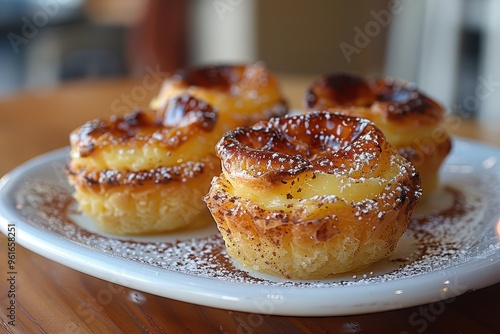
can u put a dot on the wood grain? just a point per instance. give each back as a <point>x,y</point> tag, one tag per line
<point>51,298</point>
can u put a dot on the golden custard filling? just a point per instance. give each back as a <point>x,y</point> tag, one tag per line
<point>226,101</point>
<point>182,132</point>
<point>238,92</point>
<point>137,156</point>
<point>309,187</point>
<point>284,163</point>
<point>410,120</point>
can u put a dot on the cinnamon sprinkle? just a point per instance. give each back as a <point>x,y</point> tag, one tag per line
<point>440,240</point>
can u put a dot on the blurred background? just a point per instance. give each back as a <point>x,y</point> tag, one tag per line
<point>449,48</point>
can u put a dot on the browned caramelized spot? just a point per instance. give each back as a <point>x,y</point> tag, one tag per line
<point>185,110</point>
<point>287,146</point>
<point>170,126</point>
<point>405,99</point>
<point>399,99</point>
<point>220,77</point>
<point>161,175</point>
<point>339,89</point>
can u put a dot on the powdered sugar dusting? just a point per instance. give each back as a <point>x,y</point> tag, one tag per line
<point>439,239</point>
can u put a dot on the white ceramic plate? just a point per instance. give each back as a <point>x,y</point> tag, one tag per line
<point>451,247</point>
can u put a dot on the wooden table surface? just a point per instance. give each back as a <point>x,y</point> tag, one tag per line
<point>51,298</point>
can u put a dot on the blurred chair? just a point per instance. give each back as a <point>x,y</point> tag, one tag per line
<point>158,39</point>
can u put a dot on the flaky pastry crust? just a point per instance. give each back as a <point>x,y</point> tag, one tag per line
<point>312,195</point>
<point>410,120</point>
<point>147,171</point>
